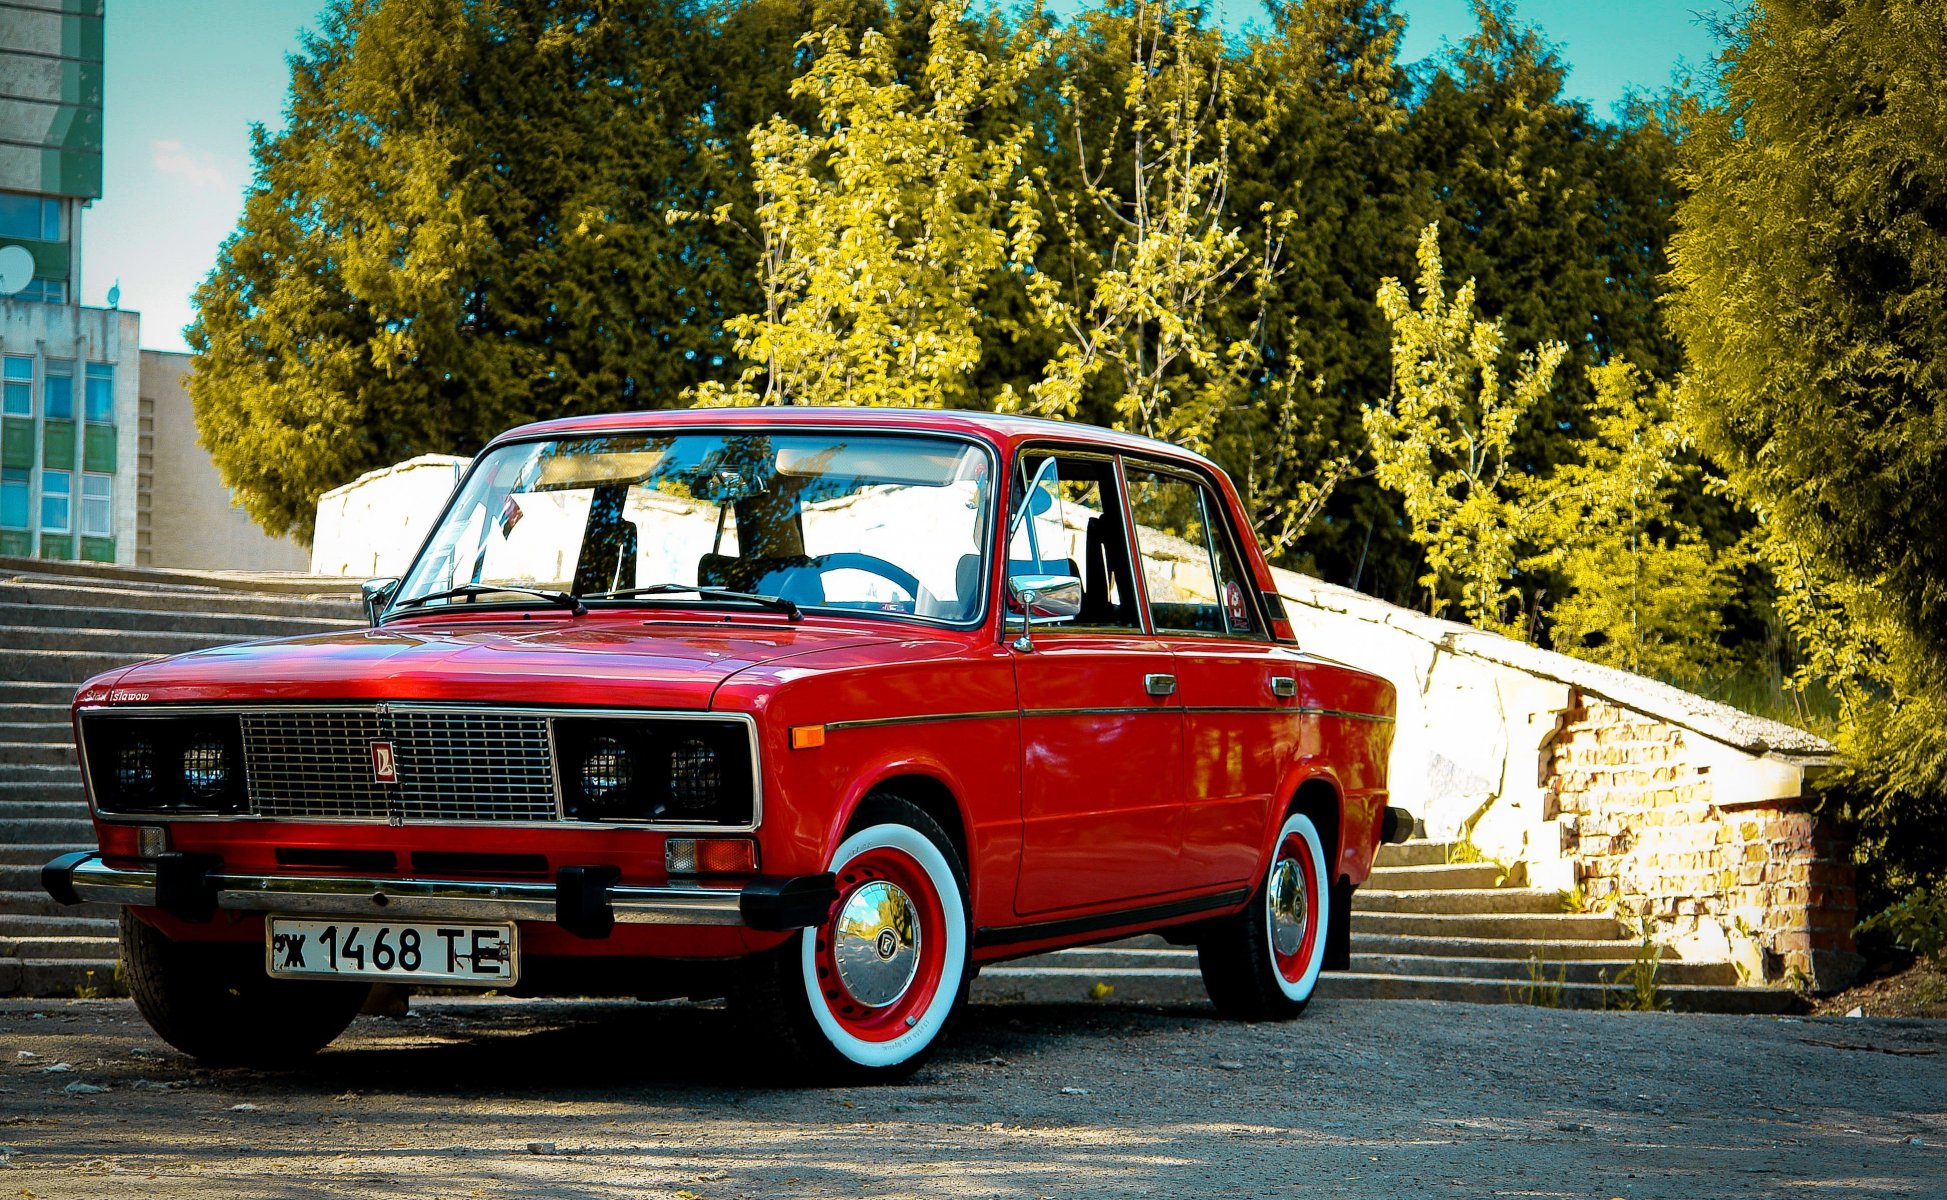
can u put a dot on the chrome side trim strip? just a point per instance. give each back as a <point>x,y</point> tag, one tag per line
<point>924,719</point>
<point>413,899</point>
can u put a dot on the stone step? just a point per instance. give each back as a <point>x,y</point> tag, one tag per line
<point>42,830</point>
<point>37,903</point>
<point>34,854</point>
<point>38,809</point>
<point>95,639</point>
<point>98,948</point>
<point>14,692</point>
<point>234,625</point>
<point>55,774</point>
<point>1458,901</point>
<point>1435,876</point>
<point>56,596</point>
<point>23,753</point>
<point>18,716</point>
<point>1539,976</point>
<point>59,978</point>
<point>1540,926</point>
<point>18,790</point>
<point>1605,950</point>
<point>71,667</point>
<point>1033,981</point>
<point>32,925</point>
<point>1415,852</point>
<point>58,731</point>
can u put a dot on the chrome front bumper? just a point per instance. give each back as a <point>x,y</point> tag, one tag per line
<point>584,900</point>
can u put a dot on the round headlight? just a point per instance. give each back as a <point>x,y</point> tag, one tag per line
<point>607,771</point>
<point>695,775</point>
<point>135,769</point>
<point>206,769</point>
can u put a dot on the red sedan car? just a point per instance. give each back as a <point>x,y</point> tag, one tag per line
<point>818,710</point>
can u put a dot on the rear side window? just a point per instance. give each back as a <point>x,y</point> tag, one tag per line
<point>1189,565</point>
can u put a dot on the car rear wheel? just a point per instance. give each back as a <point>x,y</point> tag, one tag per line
<point>864,996</point>
<point>1263,963</point>
<point>214,1002</point>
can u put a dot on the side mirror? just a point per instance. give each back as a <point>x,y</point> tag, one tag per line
<point>377,594</point>
<point>1043,598</point>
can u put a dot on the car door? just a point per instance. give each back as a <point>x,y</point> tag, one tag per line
<point>1101,730</point>
<point>1236,686</point>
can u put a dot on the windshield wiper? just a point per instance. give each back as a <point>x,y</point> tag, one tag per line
<point>775,603</point>
<point>571,603</point>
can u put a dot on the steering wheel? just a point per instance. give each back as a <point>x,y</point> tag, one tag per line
<point>849,560</point>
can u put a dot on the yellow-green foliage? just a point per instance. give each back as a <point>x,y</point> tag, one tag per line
<point>1646,592</point>
<point>1441,439</point>
<point>879,226</point>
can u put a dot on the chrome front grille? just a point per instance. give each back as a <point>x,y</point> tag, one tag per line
<point>453,764</point>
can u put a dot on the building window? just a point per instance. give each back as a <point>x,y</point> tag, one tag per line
<point>97,492</point>
<point>47,291</point>
<point>19,385</point>
<point>36,218</point>
<point>57,391</point>
<point>100,399</point>
<point>57,498</point>
<point>13,498</point>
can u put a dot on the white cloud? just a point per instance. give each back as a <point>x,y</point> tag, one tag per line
<point>200,169</point>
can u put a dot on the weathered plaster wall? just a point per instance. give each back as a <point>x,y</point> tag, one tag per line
<point>1673,809</point>
<point>372,526</point>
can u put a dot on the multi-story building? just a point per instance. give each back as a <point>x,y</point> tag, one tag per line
<point>98,454</point>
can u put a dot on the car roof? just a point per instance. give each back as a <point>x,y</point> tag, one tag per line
<point>1006,430</point>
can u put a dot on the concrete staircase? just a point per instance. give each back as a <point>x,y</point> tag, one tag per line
<point>59,624</point>
<point>1423,928</point>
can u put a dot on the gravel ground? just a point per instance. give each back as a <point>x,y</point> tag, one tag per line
<point>1360,1098</point>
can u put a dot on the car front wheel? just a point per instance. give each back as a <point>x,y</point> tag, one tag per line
<point>864,995</point>
<point>1262,964</point>
<point>215,1003</point>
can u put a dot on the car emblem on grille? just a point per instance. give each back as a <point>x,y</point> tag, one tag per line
<point>385,763</point>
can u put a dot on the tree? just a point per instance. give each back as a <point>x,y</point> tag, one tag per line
<point>1645,591</point>
<point>878,226</point>
<point>1442,440</point>
<point>460,228</point>
<point>1809,281</point>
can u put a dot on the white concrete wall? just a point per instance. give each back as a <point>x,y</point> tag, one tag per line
<point>371,527</point>
<point>1476,712</point>
<point>193,523</point>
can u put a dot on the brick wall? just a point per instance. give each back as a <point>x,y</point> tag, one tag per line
<point>1639,818</point>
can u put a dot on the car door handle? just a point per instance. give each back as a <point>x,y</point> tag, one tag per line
<point>1159,684</point>
<point>1284,686</point>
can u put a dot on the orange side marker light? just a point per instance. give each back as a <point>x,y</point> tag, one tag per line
<point>807,737</point>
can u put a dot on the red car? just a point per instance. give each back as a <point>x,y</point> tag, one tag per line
<point>815,709</point>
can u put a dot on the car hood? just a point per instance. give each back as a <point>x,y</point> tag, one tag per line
<point>593,660</point>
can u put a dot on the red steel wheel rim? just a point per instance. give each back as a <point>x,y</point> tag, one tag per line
<point>863,1021</point>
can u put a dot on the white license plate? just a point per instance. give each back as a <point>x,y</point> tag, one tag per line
<point>398,951</point>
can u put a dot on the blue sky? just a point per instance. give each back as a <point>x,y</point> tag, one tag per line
<point>185,79</point>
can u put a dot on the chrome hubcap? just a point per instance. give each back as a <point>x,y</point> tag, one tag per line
<point>1289,910</point>
<point>876,944</point>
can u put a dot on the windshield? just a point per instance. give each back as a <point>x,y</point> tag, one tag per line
<point>862,522</point>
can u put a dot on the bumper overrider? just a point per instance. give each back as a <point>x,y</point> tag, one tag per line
<point>585,901</point>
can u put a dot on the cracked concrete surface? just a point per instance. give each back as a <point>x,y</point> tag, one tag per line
<point>1359,1098</point>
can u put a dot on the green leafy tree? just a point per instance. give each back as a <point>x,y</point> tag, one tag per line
<point>880,225</point>
<point>1809,282</point>
<point>1442,440</point>
<point>1644,591</point>
<point>461,227</point>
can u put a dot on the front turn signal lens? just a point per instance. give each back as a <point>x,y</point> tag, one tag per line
<point>807,737</point>
<point>710,856</point>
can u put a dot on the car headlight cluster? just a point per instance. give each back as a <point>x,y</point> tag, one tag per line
<point>185,765</point>
<point>687,772</point>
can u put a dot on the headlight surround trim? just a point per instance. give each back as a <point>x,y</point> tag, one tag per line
<point>685,771</point>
